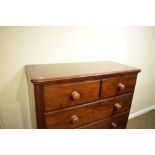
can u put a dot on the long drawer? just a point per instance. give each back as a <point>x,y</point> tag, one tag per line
<point>115,122</point>
<point>83,114</point>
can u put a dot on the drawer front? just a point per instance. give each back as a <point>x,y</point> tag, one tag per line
<point>116,86</point>
<point>115,122</point>
<point>84,114</point>
<point>61,96</point>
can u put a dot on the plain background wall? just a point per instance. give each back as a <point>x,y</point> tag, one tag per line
<point>36,45</point>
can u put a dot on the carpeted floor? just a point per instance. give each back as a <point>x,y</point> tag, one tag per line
<point>145,121</point>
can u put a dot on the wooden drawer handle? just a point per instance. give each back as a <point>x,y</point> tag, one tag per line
<point>117,106</point>
<point>121,86</point>
<point>114,125</point>
<point>75,95</point>
<point>74,119</point>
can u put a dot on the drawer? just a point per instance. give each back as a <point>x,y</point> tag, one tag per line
<point>83,114</point>
<point>116,86</point>
<point>115,122</point>
<point>61,96</point>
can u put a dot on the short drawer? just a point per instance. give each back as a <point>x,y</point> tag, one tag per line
<point>61,96</point>
<point>116,86</point>
<point>80,115</point>
<point>115,122</point>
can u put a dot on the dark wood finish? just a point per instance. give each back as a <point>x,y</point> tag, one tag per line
<point>73,72</point>
<point>87,113</point>
<point>115,122</point>
<point>114,125</point>
<point>39,106</point>
<point>81,95</point>
<point>116,86</point>
<point>61,96</point>
<point>67,80</point>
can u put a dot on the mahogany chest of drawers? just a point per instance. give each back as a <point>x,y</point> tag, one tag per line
<point>93,95</point>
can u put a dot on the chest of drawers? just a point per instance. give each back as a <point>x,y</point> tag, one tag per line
<point>93,95</point>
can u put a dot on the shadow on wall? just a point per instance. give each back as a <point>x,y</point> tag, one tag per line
<point>22,98</point>
<point>14,103</point>
<point>1,122</point>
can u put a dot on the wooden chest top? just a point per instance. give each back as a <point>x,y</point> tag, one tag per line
<point>51,72</point>
<point>81,95</point>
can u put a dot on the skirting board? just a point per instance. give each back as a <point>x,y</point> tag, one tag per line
<point>138,113</point>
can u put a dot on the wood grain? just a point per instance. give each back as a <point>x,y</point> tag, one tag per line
<point>81,95</point>
<point>61,96</point>
<point>88,113</point>
<point>110,87</point>
<point>120,121</point>
<point>71,72</point>
<point>39,106</point>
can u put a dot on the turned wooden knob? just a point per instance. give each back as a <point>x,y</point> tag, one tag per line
<point>74,119</point>
<point>75,95</point>
<point>121,86</point>
<point>117,106</point>
<point>114,125</point>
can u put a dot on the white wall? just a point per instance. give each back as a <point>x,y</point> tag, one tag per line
<point>31,45</point>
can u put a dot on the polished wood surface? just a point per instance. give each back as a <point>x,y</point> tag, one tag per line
<point>39,106</point>
<point>63,71</point>
<point>94,95</point>
<point>116,86</point>
<point>115,122</point>
<point>87,113</point>
<point>61,96</point>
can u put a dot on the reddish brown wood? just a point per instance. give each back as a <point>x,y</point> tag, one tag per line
<point>116,86</point>
<point>83,95</point>
<point>39,104</point>
<point>87,113</point>
<point>71,72</point>
<point>115,122</point>
<point>66,80</point>
<point>61,96</point>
